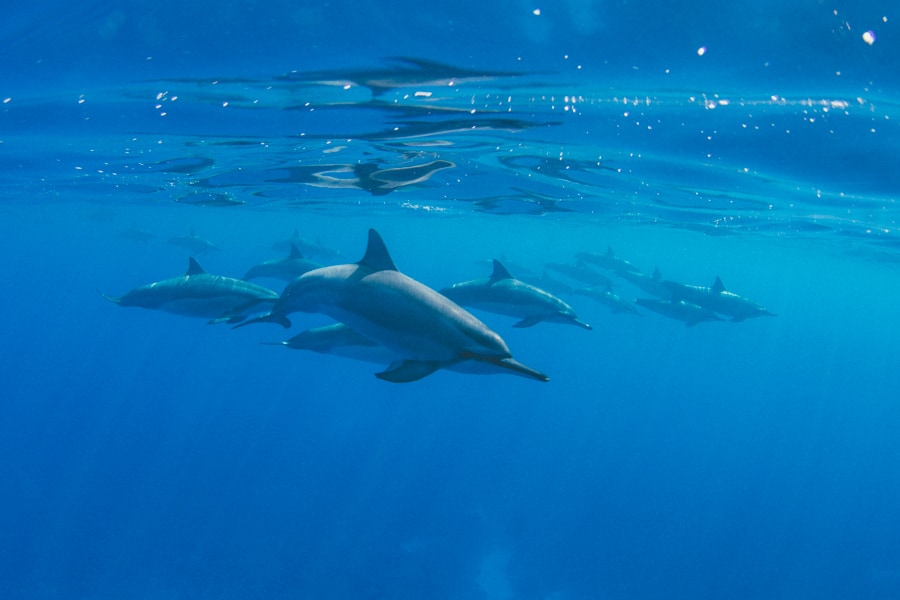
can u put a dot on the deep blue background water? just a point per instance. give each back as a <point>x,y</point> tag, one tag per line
<point>147,455</point>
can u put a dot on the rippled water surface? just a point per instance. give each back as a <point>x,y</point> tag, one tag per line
<point>748,454</point>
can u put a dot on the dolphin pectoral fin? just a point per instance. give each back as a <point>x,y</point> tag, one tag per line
<point>269,318</point>
<point>404,371</point>
<point>230,319</point>
<point>520,369</point>
<point>110,298</point>
<point>528,322</point>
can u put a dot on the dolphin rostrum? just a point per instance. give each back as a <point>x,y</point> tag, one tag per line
<point>199,294</point>
<point>503,294</point>
<point>425,329</point>
<point>718,299</point>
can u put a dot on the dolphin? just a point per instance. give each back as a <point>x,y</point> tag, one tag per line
<point>199,294</point>
<point>136,234</point>
<point>193,243</point>
<point>609,261</point>
<point>583,273</point>
<point>612,301</point>
<point>718,299</point>
<point>652,284</point>
<point>339,340</point>
<point>425,329</point>
<point>503,294</point>
<point>691,314</point>
<point>405,72</point>
<point>287,269</point>
<point>307,247</point>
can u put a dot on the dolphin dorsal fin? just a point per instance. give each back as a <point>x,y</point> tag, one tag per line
<point>295,251</point>
<point>609,252</point>
<point>500,272</point>
<point>377,257</point>
<point>718,287</point>
<point>657,274</point>
<point>194,267</point>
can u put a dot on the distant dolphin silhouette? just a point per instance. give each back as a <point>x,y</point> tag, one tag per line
<point>199,294</point>
<point>286,269</point>
<point>718,299</point>
<point>424,328</point>
<point>610,300</point>
<point>610,261</point>
<point>652,284</point>
<point>680,310</point>
<point>193,243</point>
<point>583,273</point>
<point>504,294</point>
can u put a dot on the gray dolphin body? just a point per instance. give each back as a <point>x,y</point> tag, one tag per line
<point>583,273</point>
<point>286,269</point>
<point>610,261</point>
<point>193,243</point>
<point>680,310</point>
<point>199,294</point>
<point>652,284</point>
<point>503,294</point>
<point>718,299</point>
<point>610,300</point>
<point>425,329</point>
<point>339,340</point>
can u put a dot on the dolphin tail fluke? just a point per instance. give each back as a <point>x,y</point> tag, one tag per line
<point>112,299</point>
<point>408,370</point>
<point>519,369</point>
<point>269,318</point>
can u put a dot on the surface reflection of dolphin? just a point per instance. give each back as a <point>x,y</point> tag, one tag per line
<point>370,177</point>
<point>406,72</point>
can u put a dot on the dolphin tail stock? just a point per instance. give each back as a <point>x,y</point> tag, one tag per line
<point>404,371</point>
<point>113,299</point>
<point>267,318</point>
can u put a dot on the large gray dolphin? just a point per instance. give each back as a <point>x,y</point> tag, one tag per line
<point>199,294</point>
<point>718,299</point>
<point>503,294</point>
<point>425,329</point>
<point>286,269</point>
<point>691,314</point>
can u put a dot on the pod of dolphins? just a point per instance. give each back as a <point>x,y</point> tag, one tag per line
<point>386,317</point>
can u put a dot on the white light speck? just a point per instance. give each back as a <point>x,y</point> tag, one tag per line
<point>224,104</point>
<point>701,50</point>
<point>869,37</point>
<point>7,100</point>
<point>536,12</point>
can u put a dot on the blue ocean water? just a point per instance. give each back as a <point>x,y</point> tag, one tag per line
<point>145,454</point>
